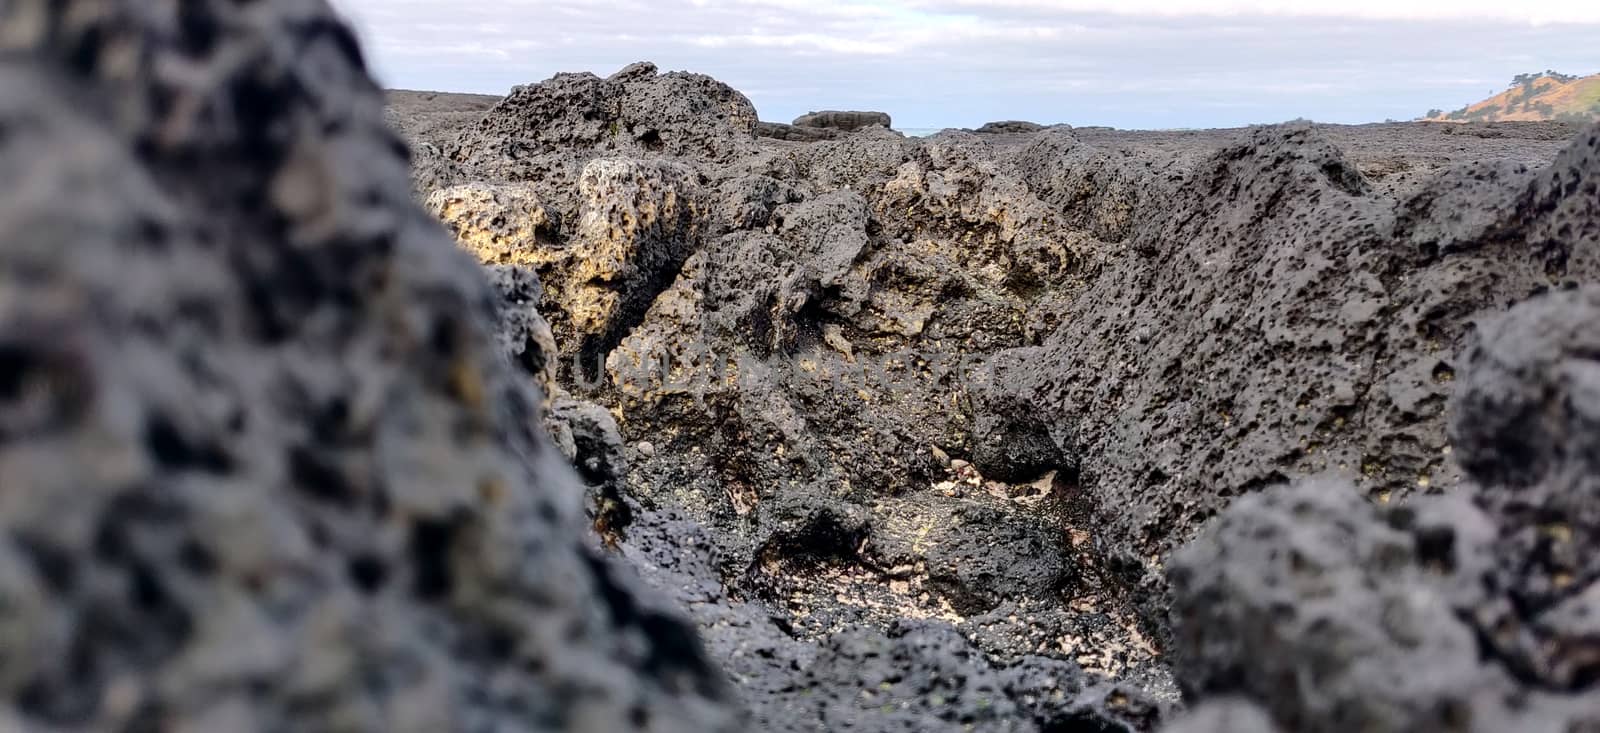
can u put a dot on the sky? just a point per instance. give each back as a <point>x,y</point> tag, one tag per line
<point>959,63</point>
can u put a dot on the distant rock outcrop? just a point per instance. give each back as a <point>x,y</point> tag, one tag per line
<point>846,121</point>
<point>795,133</point>
<point>1009,127</point>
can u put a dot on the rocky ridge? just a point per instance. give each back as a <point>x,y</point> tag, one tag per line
<point>989,382</point>
<point>900,434</point>
<point>1004,127</point>
<point>844,121</point>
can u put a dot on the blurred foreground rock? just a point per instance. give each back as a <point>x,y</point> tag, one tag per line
<point>263,464</point>
<point>1472,612</point>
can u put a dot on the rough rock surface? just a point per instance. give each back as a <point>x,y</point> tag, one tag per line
<point>908,675</point>
<point>264,466</point>
<point>1470,612</point>
<point>906,428</point>
<point>1008,127</point>
<point>434,118</point>
<point>843,121</point>
<point>547,133</point>
<point>431,122</point>
<point>1283,319</point>
<point>794,133</point>
<point>985,383</point>
<point>585,433</point>
<point>637,221</point>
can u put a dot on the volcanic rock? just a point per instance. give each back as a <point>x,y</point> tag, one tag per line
<point>1009,127</point>
<point>1261,332</point>
<point>264,464</point>
<point>1470,612</point>
<point>922,674</point>
<point>843,121</point>
<point>992,381</point>
<point>636,223</point>
<point>794,133</point>
<point>546,134</point>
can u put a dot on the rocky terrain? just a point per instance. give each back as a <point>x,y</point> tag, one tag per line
<point>1289,428</point>
<point>263,464</point>
<point>978,388</point>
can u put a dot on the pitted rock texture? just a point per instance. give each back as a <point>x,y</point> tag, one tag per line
<point>1472,612</point>
<point>584,433</point>
<point>795,133</point>
<point>906,676</point>
<point>1527,420</point>
<point>992,380</point>
<point>845,121</point>
<point>1008,127</point>
<point>1285,319</point>
<point>635,110</point>
<point>501,224</point>
<point>637,222</point>
<point>544,134</point>
<point>263,465</point>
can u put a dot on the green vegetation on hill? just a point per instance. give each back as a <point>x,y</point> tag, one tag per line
<point>1548,95</point>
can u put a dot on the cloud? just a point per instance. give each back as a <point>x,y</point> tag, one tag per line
<point>1135,63</point>
<point>1556,11</point>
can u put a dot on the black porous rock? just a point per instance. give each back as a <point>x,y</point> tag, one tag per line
<point>795,133</point>
<point>263,464</point>
<point>993,380</point>
<point>843,121</point>
<point>1009,127</point>
<point>1468,612</point>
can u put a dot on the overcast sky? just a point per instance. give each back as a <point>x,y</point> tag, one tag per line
<point>959,63</point>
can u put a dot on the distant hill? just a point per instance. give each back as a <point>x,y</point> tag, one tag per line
<point>1532,98</point>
